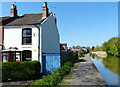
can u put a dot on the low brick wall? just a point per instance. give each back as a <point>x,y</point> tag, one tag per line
<point>68,55</point>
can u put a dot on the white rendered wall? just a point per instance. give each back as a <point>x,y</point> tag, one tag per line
<point>13,38</point>
<point>50,36</point>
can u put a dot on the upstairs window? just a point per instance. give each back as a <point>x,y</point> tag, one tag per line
<point>27,36</point>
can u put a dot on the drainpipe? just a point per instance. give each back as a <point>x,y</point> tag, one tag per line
<point>39,47</point>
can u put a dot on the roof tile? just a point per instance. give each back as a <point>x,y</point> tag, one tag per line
<point>26,19</point>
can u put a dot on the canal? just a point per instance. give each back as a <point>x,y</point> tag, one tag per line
<point>108,67</point>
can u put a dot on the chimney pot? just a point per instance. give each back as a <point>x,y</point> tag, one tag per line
<point>13,11</point>
<point>45,10</point>
<point>45,4</point>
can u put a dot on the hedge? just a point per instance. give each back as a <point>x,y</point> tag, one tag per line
<point>20,70</point>
<point>54,78</point>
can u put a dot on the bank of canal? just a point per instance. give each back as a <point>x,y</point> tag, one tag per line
<point>108,67</point>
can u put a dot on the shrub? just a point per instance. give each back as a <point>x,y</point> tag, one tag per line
<point>20,70</point>
<point>54,78</point>
<point>81,53</point>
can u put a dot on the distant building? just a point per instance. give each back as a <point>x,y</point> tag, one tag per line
<point>85,49</point>
<point>76,48</point>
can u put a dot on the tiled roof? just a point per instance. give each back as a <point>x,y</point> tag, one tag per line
<point>26,19</point>
<point>4,20</point>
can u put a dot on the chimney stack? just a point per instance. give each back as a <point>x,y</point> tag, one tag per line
<point>45,10</point>
<point>13,11</point>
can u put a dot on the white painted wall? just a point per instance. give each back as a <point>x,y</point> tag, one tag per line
<point>50,36</point>
<point>47,33</point>
<point>13,38</point>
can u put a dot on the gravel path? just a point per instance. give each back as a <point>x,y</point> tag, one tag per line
<point>84,73</point>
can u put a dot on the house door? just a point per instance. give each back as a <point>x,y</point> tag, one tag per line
<point>26,55</point>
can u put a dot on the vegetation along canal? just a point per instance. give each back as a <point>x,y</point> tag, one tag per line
<point>108,67</point>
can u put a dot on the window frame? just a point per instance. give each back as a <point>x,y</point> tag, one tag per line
<point>26,36</point>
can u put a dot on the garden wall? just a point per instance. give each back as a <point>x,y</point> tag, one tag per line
<point>68,56</point>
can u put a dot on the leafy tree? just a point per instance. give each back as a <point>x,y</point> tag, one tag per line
<point>97,48</point>
<point>93,48</point>
<point>112,46</point>
<point>104,47</point>
<point>81,53</point>
<point>88,48</point>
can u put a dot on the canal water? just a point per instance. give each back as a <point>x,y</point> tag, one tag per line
<point>108,67</point>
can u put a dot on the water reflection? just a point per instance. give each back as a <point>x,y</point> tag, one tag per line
<point>94,56</point>
<point>108,67</point>
<point>112,63</point>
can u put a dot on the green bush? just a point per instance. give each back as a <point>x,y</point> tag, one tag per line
<point>81,53</point>
<point>54,78</point>
<point>20,70</point>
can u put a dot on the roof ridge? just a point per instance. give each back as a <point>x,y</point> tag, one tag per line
<point>32,14</point>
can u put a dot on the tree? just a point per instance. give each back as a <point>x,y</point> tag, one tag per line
<point>104,47</point>
<point>98,48</point>
<point>112,46</point>
<point>93,48</point>
<point>88,49</point>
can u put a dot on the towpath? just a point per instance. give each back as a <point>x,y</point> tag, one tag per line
<point>84,73</point>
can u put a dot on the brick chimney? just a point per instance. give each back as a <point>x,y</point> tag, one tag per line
<point>13,11</point>
<point>1,35</point>
<point>45,10</point>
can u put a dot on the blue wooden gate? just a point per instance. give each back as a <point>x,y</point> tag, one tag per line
<point>50,62</point>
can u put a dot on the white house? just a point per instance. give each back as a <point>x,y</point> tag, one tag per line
<point>32,37</point>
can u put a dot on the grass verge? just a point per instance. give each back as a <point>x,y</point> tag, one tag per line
<point>57,76</point>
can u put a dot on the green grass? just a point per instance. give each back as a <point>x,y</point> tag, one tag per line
<point>54,78</point>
